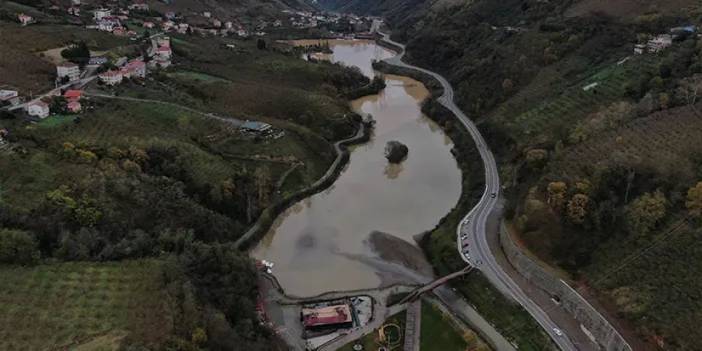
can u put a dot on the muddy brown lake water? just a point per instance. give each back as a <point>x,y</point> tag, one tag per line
<point>321,243</point>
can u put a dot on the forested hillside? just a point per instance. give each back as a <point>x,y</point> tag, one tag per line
<point>596,144</point>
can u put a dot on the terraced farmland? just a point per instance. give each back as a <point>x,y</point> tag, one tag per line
<point>62,305</point>
<point>664,140</point>
<point>550,120</point>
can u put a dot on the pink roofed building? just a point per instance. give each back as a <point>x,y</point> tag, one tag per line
<point>134,69</point>
<point>329,317</point>
<point>73,94</point>
<point>73,107</point>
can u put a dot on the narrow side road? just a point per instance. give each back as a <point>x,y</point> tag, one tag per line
<point>472,230</point>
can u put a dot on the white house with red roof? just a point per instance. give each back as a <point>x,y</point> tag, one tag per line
<point>134,69</point>
<point>25,19</point>
<point>38,109</point>
<point>73,106</point>
<point>113,77</point>
<point>73,94</point>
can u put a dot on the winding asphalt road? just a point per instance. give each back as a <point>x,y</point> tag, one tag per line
<point>471,235</point>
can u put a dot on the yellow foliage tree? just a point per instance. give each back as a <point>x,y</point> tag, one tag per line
<point>646,211</point>
<point>556,194</point>
<point>577,208</point>
<point>694,201</point>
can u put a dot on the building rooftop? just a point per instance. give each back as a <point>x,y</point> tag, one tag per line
<point>330,315</point>
<point>254,125</point>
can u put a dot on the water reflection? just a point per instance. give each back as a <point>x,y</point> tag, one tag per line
<point>321,245</point>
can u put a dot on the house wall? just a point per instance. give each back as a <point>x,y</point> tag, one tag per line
<point>571,301</point>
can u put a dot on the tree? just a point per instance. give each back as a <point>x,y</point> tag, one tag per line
<point>556,194</point>
<point>58,104</point>
<point>645,212</point>
<point>261,44</point>
<point>77,53</point>
<point>577,208</point>
<point>507,85</point>
<point>694,201</point>
<point>664,100</point>
<point>18,247</point>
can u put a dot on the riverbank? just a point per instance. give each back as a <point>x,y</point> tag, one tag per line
<point>268,216</point>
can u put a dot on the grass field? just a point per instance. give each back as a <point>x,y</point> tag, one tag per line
<point>59,306</point>
<point>438,333</point>
<point>56,120</point>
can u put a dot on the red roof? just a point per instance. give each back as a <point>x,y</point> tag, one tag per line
<point>73,105</point>
<point>326,316</point>
<point>135,64</point>
<point>164,49</point>
<point>73,94</point>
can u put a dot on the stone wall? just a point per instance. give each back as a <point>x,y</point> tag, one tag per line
<point>593,323</point>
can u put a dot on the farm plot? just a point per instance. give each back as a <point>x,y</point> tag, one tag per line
<point>548,121</point>
<point>61,305</point>
<point>663,140</point>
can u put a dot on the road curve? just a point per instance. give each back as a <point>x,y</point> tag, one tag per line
<point>471,232</point>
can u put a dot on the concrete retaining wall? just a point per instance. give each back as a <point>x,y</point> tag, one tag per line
<point>591,320</point>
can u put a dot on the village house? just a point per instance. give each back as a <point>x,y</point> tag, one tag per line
<point>140,6</point>
<point>68,69</point>
<point>97,61</point>
<point>108,24</point>
<point>73,95</point>
<point>660,43</point>
<point>167,25</point>
<point>113,77</point>
<point>24,19</point>
<point>101,13</point>
<point>207,14</point>
<point>10,97</point>
<point>38,109</point>
<point>134,69</point>
<point>164,52</point>
<point>148,24</point>
<point>73,106</point>
<point>75,11</point>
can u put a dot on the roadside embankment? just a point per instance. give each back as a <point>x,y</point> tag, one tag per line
<point>597,326</point>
